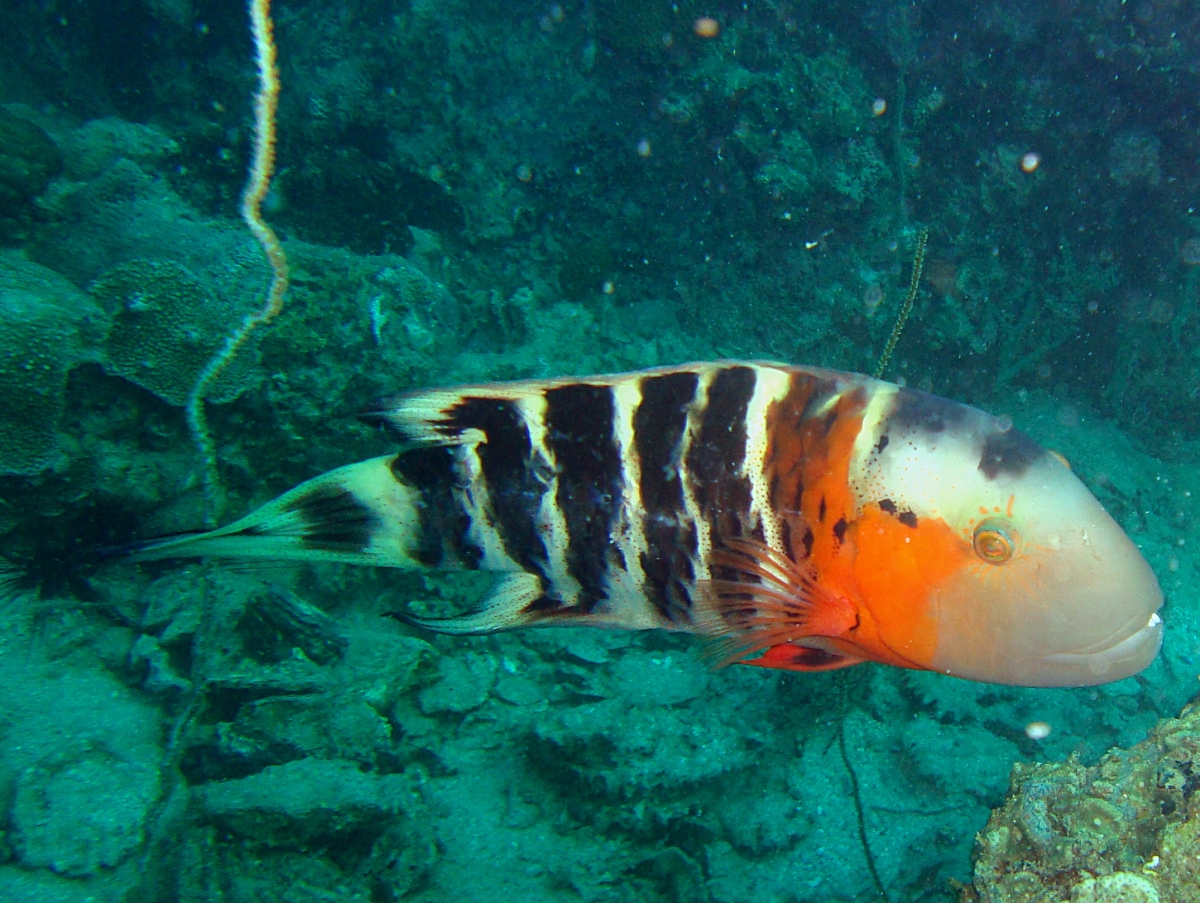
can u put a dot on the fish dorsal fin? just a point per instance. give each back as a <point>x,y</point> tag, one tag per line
<point>511,604</point>
<point>439,416</point>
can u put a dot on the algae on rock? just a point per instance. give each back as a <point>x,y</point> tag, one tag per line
<point>1126,830</point>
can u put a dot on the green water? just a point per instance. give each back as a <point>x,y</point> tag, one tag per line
<point>474,191</point>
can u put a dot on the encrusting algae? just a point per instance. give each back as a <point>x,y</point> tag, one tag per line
<point>1126,830</point>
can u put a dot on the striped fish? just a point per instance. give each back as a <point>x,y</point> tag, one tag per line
<point>807,519</point>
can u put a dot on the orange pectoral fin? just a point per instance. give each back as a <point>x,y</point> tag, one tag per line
<point>764,599</point>
<point>790,657</point>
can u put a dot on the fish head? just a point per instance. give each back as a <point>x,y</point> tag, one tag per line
<point>980,554</point>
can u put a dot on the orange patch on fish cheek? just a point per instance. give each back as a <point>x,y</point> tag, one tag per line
<point>897,568</point>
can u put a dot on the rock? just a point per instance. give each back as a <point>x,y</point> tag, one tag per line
<point>304,801</point>
<point>655,679</point>
<point>78,812</point>
<point>518,690</point>
<point>588,649</point>
<point>463,684</point>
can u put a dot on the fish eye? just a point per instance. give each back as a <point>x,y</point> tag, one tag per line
<point>994,542</point>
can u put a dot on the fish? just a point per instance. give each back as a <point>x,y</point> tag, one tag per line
<point>798,518</point>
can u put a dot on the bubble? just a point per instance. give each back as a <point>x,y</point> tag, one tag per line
<point>706,27</point>
<point>879,106</point>
<point>524,172</point>
<point>1031,161</point>
<point>1037,730</point>
<point>643,148</point>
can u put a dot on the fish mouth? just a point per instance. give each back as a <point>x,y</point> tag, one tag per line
<point>1123,654</point>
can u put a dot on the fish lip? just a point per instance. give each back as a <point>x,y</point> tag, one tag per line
<point>1129,643</point>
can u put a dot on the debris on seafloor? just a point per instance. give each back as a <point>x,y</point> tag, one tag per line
<point>1126,830</point>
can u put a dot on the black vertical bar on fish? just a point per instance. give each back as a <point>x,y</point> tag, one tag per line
<point>715,459</point>
<point>515,480</point>
<point>658,427</point>
<point>443,523</point>
<point>581,436</point>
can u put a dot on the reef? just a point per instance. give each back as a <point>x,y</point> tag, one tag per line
<point>1126,830</point>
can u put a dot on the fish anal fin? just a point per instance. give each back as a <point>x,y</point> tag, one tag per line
<point>762,599</point>
<point>790,657</point>
<point>512,603</point>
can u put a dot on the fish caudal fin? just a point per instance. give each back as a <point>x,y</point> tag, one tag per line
<point>358,514</point>
<point>512,603</point>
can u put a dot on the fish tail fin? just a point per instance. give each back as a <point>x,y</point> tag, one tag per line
<point>358,514</point>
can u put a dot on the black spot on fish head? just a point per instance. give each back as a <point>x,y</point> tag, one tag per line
<point>908,519</point>
<point>922,412</point>
<point>887,506</point>
<point>1008,452</point>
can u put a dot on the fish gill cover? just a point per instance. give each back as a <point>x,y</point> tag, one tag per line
<point>470,191</point>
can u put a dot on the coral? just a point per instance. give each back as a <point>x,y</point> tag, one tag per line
<point>828,102</point>
<point>1120,887</point>
<point>1124,831</point>
<point>99,143</point>
<point>792,171</point>
<point>46,328</point>
<point>166,327</point>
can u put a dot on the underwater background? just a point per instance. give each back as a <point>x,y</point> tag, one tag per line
<point>473,191</point>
